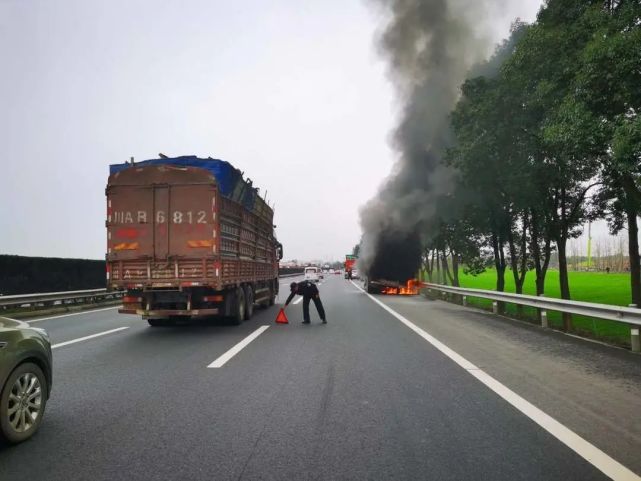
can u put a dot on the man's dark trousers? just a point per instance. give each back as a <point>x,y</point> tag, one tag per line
<point>317,303</point>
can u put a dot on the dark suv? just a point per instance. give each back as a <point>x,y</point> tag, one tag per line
<point>25,379</point>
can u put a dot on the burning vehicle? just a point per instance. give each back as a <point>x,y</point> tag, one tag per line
<point>395,265</point>
<point>382,286</point>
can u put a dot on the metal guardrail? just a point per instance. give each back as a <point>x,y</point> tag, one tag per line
<point>53,298</point>
<point>68,297</point>
<point>626,315</point>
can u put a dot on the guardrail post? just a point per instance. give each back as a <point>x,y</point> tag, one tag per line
<point>464,301</point>
<point>635,340</point>
<point>544,318</point>
<point>539,313</point>
<point>495,307</point>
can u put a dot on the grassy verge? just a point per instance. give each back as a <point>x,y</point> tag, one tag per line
<point>596,287</point>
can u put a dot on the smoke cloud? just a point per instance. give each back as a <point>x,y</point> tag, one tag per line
<point>430,46</point>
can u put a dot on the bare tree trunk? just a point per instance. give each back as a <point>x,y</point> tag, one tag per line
<point>561,244</point>
<point>536,253</point>
<point>513,257</point>
<point>455,266</point>
<point>535,248</point>
<point>499,263</point>
<point>426,264</point>
<point>632,212</point>
<point>523,261</point>
<point>432,267</point>
<point>438,267</point>
<point>446,270</point>
<point>547,255</point>
<point>564,282</point>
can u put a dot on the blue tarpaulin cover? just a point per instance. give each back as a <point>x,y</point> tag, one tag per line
<point>225,173</point>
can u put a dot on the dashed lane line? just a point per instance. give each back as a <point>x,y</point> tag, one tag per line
<point>600,460</point>
<point>86,338</point>
<point>72,314</point>
<point>222,360</point>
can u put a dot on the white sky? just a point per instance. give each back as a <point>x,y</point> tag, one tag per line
<point>291,92</point>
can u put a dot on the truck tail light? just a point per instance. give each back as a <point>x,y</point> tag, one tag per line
<point>199,243</point>
<point>131,300</point>
<point>218,298</point>
<point>126,246</point>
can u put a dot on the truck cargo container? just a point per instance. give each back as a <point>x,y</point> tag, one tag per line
<point>189,237</point>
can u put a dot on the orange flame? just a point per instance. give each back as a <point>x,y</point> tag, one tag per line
<point>410,289</point>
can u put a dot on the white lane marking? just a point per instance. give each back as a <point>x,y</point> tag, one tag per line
<point>600,460</point>
<point>73,314</point>
<point>80,339</point>
<point>222,360</point>
<point>297,300</point>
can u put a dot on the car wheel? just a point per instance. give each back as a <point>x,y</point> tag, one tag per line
<point>249,302</point>
<point>22,403</point>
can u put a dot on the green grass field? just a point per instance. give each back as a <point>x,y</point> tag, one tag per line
<point>584,286</point>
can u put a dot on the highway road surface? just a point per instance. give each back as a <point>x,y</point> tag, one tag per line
<point>398,388</point>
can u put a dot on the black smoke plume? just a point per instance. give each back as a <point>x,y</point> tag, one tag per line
<point>430,46</point>
<point>399,258</point>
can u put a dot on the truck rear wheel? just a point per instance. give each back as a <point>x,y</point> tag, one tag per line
<point>238,315</point>
<point>272,299</point>
<point>272,296</point>
<point>249,302</point>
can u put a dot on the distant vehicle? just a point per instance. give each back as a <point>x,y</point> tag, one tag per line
<point>337,271</point>
<point>355,274</point>
<point>312,274</point>
<point>25,379</point>
<point>189,237</point>
<point>350,262</point>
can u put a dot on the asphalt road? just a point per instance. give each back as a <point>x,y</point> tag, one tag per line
<point>363,397</point>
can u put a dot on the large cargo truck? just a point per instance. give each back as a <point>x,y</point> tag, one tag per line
<point>189,237</point>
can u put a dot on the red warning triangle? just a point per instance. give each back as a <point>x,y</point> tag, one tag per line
<point>281,318</point>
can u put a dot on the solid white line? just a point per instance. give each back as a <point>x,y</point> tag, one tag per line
<point>222,360</point>
<point>600,460</point>
<point>80,339</point>
<point>297,300</point>
<point>73,314</point>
